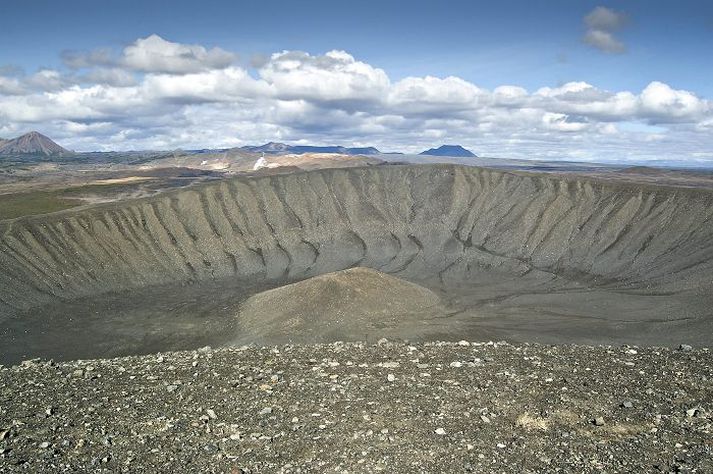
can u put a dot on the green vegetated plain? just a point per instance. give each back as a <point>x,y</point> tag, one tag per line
<point>32,203</point>
<point>43,202</point>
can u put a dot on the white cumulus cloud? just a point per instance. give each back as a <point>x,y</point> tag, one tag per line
<point>602,18</point>
<point>604,41</point>
<point>660,102</point>
<point>155,54</point>
<point>432,94</point>
<point>601,24</point>
<point>334,76</point>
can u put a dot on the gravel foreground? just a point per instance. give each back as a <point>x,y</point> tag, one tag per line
<point>394,407</point>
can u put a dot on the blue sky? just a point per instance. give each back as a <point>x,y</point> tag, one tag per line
<point>531,43</point>
<point>625,47</point>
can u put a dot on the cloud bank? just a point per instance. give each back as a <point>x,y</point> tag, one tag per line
<point>157,94</point>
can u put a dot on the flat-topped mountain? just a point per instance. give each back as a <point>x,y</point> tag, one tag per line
<point>449,150</point>
<point>271,147</point>
<point>277,148</point>
<point>31,143</point>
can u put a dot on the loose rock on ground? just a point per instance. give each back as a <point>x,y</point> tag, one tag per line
<point>334,408</point>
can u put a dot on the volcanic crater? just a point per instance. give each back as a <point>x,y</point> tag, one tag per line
<point>444,252</point>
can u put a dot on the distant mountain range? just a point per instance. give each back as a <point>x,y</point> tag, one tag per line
<point>449,150</point>
<point>282,148</point>
<point>34,143</point>
<point>279,148</point>
<point>31,143</point>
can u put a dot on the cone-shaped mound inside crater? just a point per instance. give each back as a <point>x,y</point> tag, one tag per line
<point>349,304</point>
